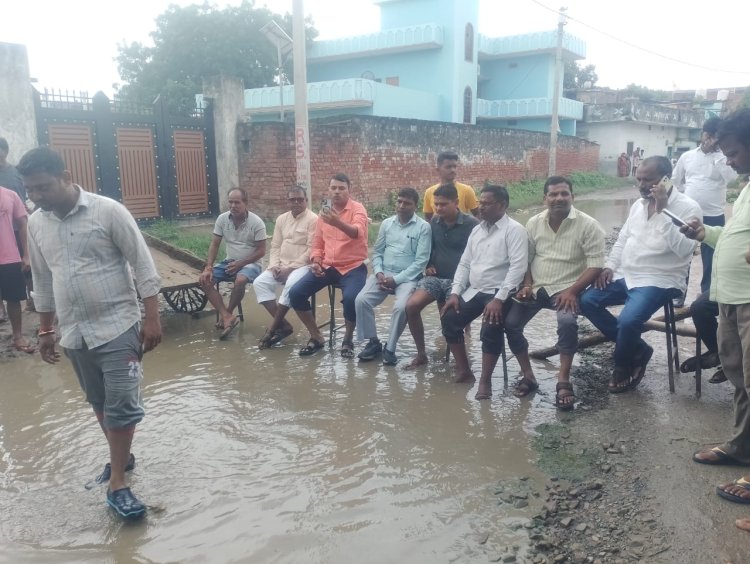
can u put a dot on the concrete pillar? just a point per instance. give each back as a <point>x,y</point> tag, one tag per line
<point>17,118</point>
<point>228,96</point>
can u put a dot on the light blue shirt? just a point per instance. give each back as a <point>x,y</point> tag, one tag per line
<point>403,250</point>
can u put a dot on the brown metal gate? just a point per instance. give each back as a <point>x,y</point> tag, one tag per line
<point>156,164</point>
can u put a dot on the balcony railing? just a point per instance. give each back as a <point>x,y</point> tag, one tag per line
<point>411,38</point>
<point>647,113</point>
<point>529,42</point>
<point>527,108</point>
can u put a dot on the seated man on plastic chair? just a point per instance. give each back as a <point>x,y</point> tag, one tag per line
<point>647,265</point>
<point>245,237</point>
<point>401,253</point>
<point>491,268</point>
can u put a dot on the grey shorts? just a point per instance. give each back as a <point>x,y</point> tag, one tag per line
<point>438,288</point>
<point>111,375</point>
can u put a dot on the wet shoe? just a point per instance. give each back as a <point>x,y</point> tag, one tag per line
<point>126,504</point>
<point>389,358</point>
<point>107,472</point>
<point>371,350</point>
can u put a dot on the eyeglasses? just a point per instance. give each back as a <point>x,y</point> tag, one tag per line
<point>296,200</point>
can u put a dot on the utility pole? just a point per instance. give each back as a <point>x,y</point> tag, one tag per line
<point>301,130</point>
<point>555,123</point>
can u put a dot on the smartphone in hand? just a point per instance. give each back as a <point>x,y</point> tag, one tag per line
<point>678,221</point>
<point>325,205</point>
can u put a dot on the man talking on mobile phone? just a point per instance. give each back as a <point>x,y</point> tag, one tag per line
<point>647,265</point>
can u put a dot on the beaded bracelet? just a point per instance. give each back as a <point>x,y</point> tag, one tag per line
<point>46,332</point>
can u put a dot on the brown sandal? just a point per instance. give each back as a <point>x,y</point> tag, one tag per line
<point>559,400</point>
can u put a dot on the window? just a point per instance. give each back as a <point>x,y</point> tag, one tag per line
<point>391,80</point>
<point>469,43</point>
<point>467,104</point>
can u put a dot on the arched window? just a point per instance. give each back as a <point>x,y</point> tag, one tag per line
<point>467,104</point>
<point>469,43</point>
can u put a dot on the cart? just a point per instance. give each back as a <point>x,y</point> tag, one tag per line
<point>179,271</point>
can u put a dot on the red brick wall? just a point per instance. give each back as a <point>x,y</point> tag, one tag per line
<point>383,154</point>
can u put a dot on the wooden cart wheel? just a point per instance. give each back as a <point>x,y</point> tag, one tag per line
<point>186,300</point>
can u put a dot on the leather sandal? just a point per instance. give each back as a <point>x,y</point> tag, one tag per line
<point>560,402</point>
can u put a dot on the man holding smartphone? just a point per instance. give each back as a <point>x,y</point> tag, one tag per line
<point>647,265</point>
<point>703,174</point>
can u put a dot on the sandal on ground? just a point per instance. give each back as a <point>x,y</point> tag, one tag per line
<point>126,504</point>
<point>107,472</point>
<point>741,482</point>
<point>641,362</point>
<point>272,338</point>
<point>708,360</point>
<point>718,377</point>
<point>722,458</point>
<point>560,402</point>
<point>228,330</point>
<point>620,381</point>
<point>311,347</point>
<point>523,387</point>
<point>347,349</point>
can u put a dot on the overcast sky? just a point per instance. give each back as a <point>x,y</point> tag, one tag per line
<point>72,44</point>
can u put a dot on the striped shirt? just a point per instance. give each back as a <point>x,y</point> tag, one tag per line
<point>556,260</point>
<point>82,269</point>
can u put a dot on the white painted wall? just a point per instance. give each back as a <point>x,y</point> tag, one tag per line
<point>17,121</point>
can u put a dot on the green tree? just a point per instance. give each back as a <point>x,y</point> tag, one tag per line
<point>193,42</point>
<point>576,76</point>
<point>645,94</point>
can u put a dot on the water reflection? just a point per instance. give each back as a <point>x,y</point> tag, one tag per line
<point>263,456</point>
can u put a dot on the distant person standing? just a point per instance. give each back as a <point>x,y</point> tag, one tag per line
<point>636,160</point>
<point>447,163</point>
<point>623,168</point>
<point>703,174</point>
<point>86,250</point>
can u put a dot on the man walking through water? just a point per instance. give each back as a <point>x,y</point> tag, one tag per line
<point>82,249</point>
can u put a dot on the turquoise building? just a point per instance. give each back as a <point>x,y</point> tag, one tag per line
<point>429,62</point>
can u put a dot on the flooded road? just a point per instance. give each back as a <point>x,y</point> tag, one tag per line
<point>262,456</point>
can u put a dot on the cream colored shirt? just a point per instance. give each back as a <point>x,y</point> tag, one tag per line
<point>557,259</point>
<point>292,239</point>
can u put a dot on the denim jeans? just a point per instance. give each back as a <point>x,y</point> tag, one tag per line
<point>625,330</point>
<point>707,253</point>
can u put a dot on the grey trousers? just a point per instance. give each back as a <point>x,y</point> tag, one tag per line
<point>521,314</point>
<point>734,352</point>
<point>371,296</point>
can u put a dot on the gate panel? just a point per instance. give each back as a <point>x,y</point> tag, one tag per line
<point>138,181</point>
<point>190,171</point>
<point>75,144</point>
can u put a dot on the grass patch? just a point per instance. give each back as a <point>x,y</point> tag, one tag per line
<point>530,192</point>
<point>559,455</point>
<point>186,238</point>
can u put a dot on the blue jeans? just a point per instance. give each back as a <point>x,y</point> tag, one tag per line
<point>625,330</point>
<point>350,283</point>
<point>707,253</point>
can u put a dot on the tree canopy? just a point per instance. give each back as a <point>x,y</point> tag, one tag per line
<point>576,76</point>
<point>193,42</point>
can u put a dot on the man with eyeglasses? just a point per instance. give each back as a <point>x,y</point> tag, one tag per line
<point>290,258</point>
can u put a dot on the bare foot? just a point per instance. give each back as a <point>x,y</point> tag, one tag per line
<point>464,378</point>
<point>419,360</point>
<point>738,490</point>
<point>22,345</point>
<point>743,524</point>
<point>484,392</point>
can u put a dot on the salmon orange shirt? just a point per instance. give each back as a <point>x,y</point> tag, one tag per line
<point>334,247</point>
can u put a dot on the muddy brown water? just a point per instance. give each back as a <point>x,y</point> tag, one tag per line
<point>262,456</point>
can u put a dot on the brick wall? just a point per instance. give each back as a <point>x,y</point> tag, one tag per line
<point>384,154</point>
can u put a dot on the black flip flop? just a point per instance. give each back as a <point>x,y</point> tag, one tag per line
<point>347,349</point>
<point>311,347</point>
<point>741,482</point>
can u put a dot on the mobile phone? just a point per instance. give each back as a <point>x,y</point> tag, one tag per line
<point>665,182</point>
<point>325,204</point>
<point>679,222</point>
